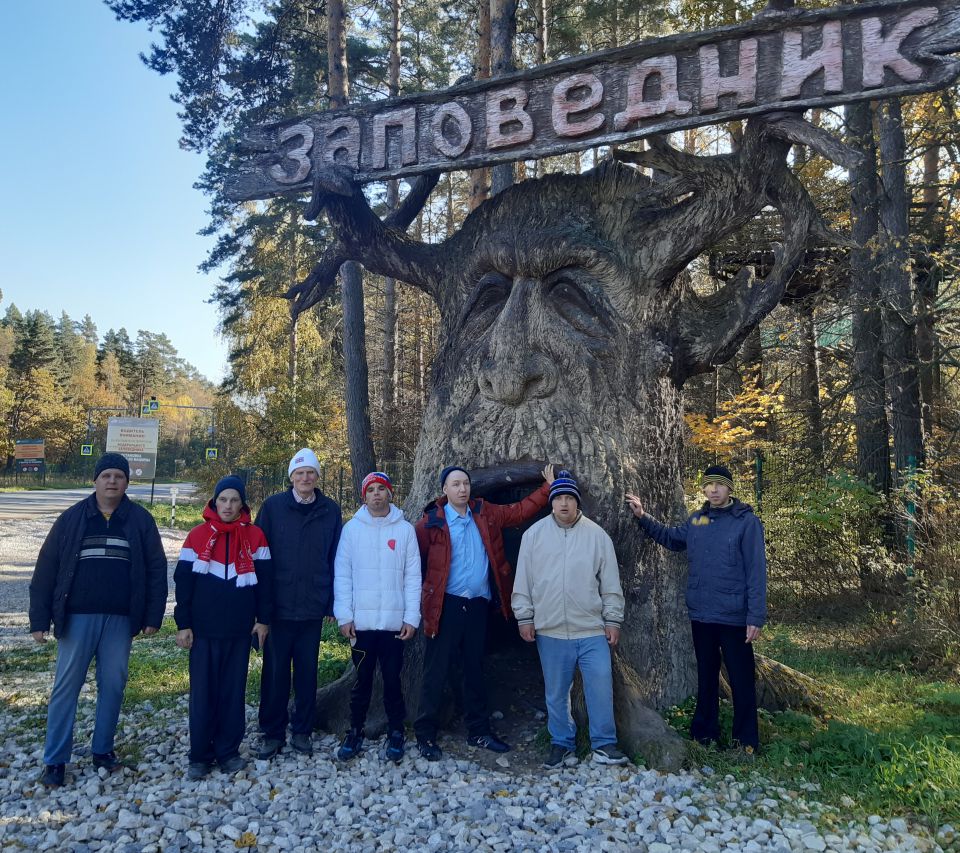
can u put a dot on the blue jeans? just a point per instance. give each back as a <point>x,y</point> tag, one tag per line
<point>559,659</point>
<point>87,635</point>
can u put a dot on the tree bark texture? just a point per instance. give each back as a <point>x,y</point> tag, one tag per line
<point>928,279</point>
<point>896,298</point>
<point>480,178</point>
<point>389,384</point>
<point>355,372</point>
<point>503,28</point>
<point>811,381</point>
<point>868,383</point>
<point>356,375</point>
<point>567,332</point>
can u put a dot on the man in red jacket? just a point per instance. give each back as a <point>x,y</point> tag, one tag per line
<point>461,546</point>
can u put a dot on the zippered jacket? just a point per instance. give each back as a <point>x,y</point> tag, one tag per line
<point>57,565</point>
<point>376,579</point>
<point>211,602</point>
<point>303,545</point>
<point>433,536</point>
<point>568,580</point>
<point>727,583</point>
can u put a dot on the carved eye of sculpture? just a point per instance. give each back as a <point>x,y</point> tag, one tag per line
<point>568,297</point>
<point>492,292</point>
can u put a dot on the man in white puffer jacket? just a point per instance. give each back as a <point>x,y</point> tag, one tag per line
<point>376,601</point>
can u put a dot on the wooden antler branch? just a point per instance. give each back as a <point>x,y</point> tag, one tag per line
<point>793,128</point>
<point>711,328</point>
<point>356,217</point>
<point>665,158</point>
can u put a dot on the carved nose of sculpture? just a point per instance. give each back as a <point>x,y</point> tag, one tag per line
<point>513,380</point>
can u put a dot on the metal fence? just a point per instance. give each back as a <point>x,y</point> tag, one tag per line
<point>826,532</point>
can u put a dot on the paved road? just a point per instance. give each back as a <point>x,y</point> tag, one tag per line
<point>36,504</point>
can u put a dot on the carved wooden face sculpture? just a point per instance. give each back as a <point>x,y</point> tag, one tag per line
<point>542,341</point>
<point>567,329</point>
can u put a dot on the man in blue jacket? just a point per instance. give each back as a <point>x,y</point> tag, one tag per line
<point>726,600</point>
<point>302,526</point>
<point>101,579</point>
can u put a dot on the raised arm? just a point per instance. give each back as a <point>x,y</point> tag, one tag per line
<point>674,538</point>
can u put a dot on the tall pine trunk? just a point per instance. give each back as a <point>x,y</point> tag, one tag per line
<point>896,298</point>
<point>388,401</point>
<point>868,383</point>
<point>928,286</point>
<point>355,372</point>
<point>503,26</point>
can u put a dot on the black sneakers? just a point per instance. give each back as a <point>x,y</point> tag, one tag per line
<point>489,741</point>
<point>53,775</point>
<point>269,748</point>
<point>609,754</point>
<point>233,765</point>
<point>351,746</point>
<point>301,743</point>
<point>107,760</point>
<point>197,770</point>
<point>394,748</point>
<point>429,749</point>
<point>557,757</point>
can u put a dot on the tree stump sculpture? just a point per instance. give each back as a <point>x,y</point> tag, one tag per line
<point>568,331</point>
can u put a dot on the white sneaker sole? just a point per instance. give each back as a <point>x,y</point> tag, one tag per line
<point>600,759</point>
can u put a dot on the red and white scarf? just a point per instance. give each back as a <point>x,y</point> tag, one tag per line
<point>241,549</point>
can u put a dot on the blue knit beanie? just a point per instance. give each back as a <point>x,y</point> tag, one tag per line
<point>231,481</point>
<point>564,484</point>
<point>446,472</point>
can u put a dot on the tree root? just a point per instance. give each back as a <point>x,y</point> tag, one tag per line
<point>780,688</point>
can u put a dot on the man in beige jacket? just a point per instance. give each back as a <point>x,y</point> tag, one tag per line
<point>568,599</point>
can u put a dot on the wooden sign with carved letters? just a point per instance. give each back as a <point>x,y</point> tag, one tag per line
<point>790,60</point>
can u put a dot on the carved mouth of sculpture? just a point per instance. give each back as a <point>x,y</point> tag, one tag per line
<point>495,480</point>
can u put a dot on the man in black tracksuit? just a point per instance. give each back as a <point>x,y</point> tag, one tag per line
<point>302,526</point>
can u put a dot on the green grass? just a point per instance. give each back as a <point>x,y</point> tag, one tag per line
<point>189,515</point>
<point>35,657</point>
<point>888,738</point>
<point>29,486</point>
<point>159,670</point>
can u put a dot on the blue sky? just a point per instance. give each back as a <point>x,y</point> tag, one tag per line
<point>100,214</point>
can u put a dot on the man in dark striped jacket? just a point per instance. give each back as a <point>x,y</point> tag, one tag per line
<point>100,579</point>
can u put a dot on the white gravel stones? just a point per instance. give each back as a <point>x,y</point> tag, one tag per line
<point>294,803</point>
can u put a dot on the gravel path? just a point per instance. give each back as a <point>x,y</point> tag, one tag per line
<point>20,542</point>
<point>297,803</point>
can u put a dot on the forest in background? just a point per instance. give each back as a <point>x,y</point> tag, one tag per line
<point>839,415</point>
<point>60,380</point>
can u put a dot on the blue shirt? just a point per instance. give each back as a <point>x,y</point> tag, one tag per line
<point>469,566</point>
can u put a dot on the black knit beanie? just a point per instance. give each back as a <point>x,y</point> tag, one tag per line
<point>718,474</point>
<point>112,460</point>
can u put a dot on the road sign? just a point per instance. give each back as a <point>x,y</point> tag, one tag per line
<point>145,409</point>
<point>211,454</point>
<point>153,405</point>
<point>793,60</point>
<point>29,454</point>
<point>86,450</point>
<point>137,439</point>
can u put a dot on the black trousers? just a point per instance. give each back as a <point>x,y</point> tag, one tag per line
<point>710,640</point>
<point>371,648</point>
<point>462,634</point>
<point>218,684</point>
<point>296,644</point>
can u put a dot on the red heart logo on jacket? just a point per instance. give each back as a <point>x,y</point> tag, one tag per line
<point>392,544</point>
